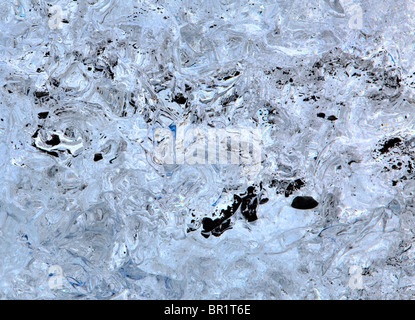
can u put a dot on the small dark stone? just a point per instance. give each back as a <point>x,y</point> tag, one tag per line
<point>40,94</point>
<point>205,234</point>
<point>390,144</point>
<point>264,201</point>
<point>304,203</point>
<point>180,99</point>
<point>251,190</point>
<point>294,185</point>
<point>332,118</point>
<point>97,157</point>
<point>248,204</point>
<point>209,224</point>
<point>248,208</point>
<point>54,141</point>
<point>321,115</point>
<point>222,228</point>
<point>35,135</point>
<point>42,115</point>
<point>55,82</point>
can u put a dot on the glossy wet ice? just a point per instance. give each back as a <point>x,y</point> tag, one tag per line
<point>91,91</point>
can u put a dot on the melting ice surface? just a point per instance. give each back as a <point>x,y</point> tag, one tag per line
<point>89,211</point>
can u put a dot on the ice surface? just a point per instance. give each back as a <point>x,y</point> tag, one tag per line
<point>94,91</point>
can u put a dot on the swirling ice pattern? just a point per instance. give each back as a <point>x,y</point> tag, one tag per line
<point>88,210</point>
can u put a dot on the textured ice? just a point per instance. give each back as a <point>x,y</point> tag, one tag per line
<point>89,210</point>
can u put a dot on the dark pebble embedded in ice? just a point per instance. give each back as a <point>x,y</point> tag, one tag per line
<point>209,224</point>
<point>332,118</point>
<point>40,94</point>
<point>226,225</point>
<point>54,141</point>
<point>55,82</point>
<point>392,143</point>
<point>304,203</point>
<point>42,115</point>
<point>180,99</point>
<point>249,207</point>
<point>263,201</point>
<point>97,157</point>
<point>295,185</point>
